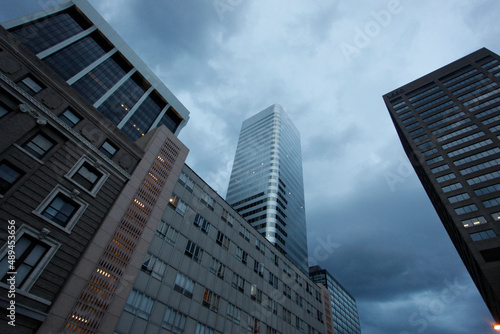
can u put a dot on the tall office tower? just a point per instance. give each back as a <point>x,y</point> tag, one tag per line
<point>80,46</point>
<point>448,122</point>
<point>266,185</point>
<point>343,304</point>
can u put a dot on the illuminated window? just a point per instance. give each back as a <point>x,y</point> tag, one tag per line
<point>474,221</point>
<point>179,205</point>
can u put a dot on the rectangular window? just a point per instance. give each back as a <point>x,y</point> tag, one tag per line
<point>207,200</point>
<point>466,209</point>
<point>287,291</point>
<point>217,268</point>
<point>491,202</point>
<point>452,187</point>
<point>70,118</point>
<point>61,209</point>
<point>241,255</point>
<point>154,266</point>
<point>488,190</point>
<point>108,149</point>
<point>458,198</point>
<point>30,252</point>
<point>211,300</point>
<point>238,282</point>
<point>3,111</point>
<point>483,235</point>
<point>446,177</point>
<point>256,293</point>
<point>186,181</point>
<point>30,85</point>
<point>201,223</point>
<point>233,313</point>
<point>245,233</point>
<point>193,251</point>
<point>273,280</point>
<point>258,268</point>
<point>167,232</point>
<point>222,240</point>
<point>39,145</point>
<point>9,175</point>
<point>202,329</point>
<point>474,221</point>
<point>253,324</point>
<point>87,176</point>
<point>179,205</point>
<point>174,320</point>
<point>287,315</point>
<point>140,304</point>
<point>184,285</point>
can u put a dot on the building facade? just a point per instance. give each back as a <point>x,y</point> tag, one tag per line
<point>66,181</point>
<point>81,47</point>
<point>448,122</point>
<point>344,311</point>
<point>266,184</point>
<point>208,270</point>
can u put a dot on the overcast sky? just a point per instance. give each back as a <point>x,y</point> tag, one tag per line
<point>328,63</point>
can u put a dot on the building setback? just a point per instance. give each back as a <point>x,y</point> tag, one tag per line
<point>448,122</point>
<point>80,46</point>
<point>343,309</point>
<point>80,195</point>
<point>208,270</point>
<point>266,185</point>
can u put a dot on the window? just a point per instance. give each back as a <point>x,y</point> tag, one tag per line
<point>496,216</point>
<point>287,315</point>
<point>184,285</point>
<point>174,320</point>
<point>483,235</point>
<point>272,305</point>
<point>202,329</point>
<point>298,300</point>
<point>154,266</point>
<point>30,253</point>
<point>186,181</point>
<point>179,205</point>
<point>466,209</point>
<point>38,146</point>
<point>87,176</point>
<point>140,304</point>
<point>253,324</point>
<point>273,257</point>
<point>458,198</point>
<point>3,111</point>
<point>9,174</point>
<point>69,118</point>
<point>245,233</point>
<point>228,218</point>
<point>452,187</point>
<point>193,251</point>
<point>474,221</point>
<point>491,202</point>
<point>270,330</point>
<point>217,268</point>
<point>233,313</point>
<point>238,282</point>
<point>256,294</point>
<point>211,300</point>
<point>108,149</point>
<point>446,177</point>
<point>260,246</point>
<point>201,223</point>
<point>222,240</point>
<point>241,255</point>
<point>298,279</point>
<point>287,269</point>
<point>207,200</point>
<point>273,280</point>
<point>167,232</point>
<point>30,85</point>
<point>299,324</point>
<point>60,210</point>
<point>287,291</point>
<point>258,268</point>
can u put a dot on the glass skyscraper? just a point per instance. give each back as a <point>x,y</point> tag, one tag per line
<point>266,185</point>
<point>449,124</point>
<point>81,47</point>
<point>344,309</point>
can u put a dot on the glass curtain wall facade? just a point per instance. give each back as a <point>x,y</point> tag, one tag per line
<point>266,184</point>
<point>76,42</point>
<point>449,124</point>
<point>344,309</point>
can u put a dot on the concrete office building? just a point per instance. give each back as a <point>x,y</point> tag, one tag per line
<point>343,305</point>
<point>266,184</point>
<point>208,270</point>
<point>80,195</point>
<point>80,46</point>
<point>448,122</point>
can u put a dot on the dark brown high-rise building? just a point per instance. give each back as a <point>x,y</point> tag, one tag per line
<point>449,124</point>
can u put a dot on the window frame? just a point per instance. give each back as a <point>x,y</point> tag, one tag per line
<point>15,169</point>
<point>58,189</point>
<point>33,154</point>
<point>105,151</point>
<point>42,263</point>
<point>27,87</point>
<point>67,120</point>
<point>100,182</point>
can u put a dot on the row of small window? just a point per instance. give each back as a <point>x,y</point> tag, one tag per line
<point>475,84</point>
<point>484,104</point>
<point>477,91</point>
<point>488,112</point>
<point>473,207</point>
<point>482,97</point>
<point>469,158</point>
<point>455,79</point>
